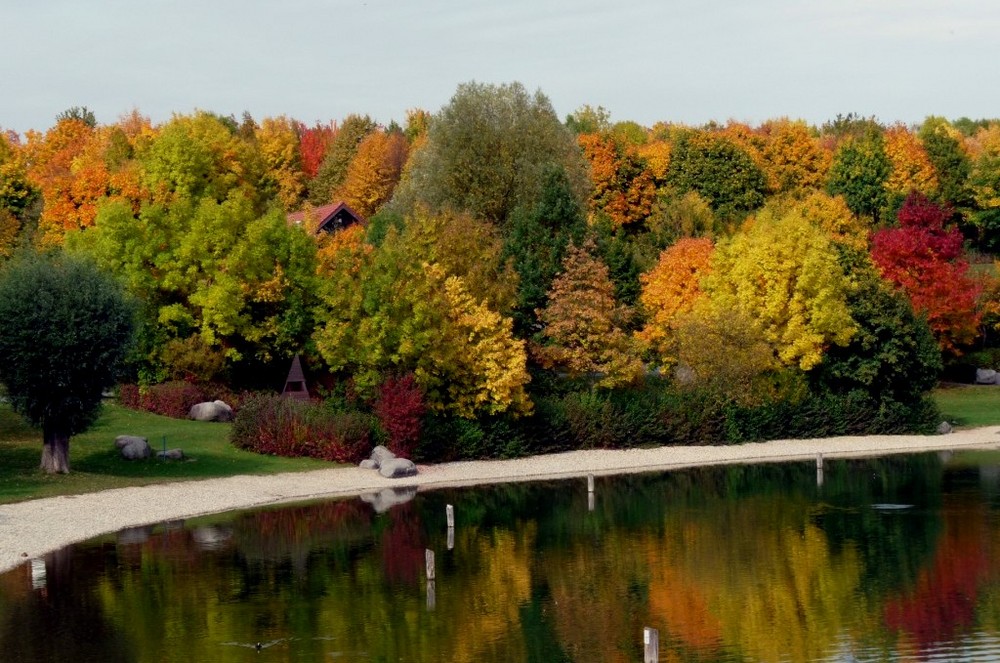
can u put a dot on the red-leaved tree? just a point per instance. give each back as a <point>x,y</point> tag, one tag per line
<point>923,258</point>
<point>400,408</point>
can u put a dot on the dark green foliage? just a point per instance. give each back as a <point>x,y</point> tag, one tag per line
<point>381,223</point>
<point>859,172</point>
<point>79,113</point>
<point>893,355</point>
<point>951,164</point>
<point>827,415</point>
<point>536,241</point>
<point>333,170</point>
<point>271,424</point>
<point>718,170</point>
<point>625,256</point>
<point>64,329</point>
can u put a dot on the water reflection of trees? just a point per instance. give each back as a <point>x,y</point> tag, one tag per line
<point>730,563</point>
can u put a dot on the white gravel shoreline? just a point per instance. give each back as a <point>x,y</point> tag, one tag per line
<point>34,528</point>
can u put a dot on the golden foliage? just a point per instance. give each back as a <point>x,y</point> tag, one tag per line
<point>278,142</point>
<point>374,171</point>
<point>792,158</point>
<point>911,167</point>
<point>670,289</point>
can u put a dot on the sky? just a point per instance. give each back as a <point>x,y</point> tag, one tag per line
<point>688,61</point>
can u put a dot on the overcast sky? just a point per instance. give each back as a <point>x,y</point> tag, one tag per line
<point>645,60</point>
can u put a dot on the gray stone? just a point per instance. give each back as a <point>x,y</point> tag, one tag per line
<point>944,428</point>
<point>387,498</point>
<point>986,376</point>
<point>368,464</point>
<point>381,454</point>
<point>171,454</point>
<point>394,468</point>
<point>138,449</point>
<point>124,440</point>
<point>213,411</point>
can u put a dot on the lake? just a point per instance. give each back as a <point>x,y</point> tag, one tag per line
<point>870,560</point>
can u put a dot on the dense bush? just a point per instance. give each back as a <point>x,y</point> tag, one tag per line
<point>174,399</point>
<point>400,408</point>
<point>273,424</point>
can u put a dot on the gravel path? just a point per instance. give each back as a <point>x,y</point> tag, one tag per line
<point>30,529</point>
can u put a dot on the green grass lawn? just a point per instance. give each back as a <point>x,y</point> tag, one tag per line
<point>95,463</point>
<point>970,406</point>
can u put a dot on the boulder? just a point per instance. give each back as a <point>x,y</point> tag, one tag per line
<point>387,498</point>
<point>213,411</point>
<point>986,376</point>
<point>395,468</point>
<point>171,454</point>
<point>368,464</point>
<point>381,454</point>
<point>136,449</point>
<point>944,428</point>
<point>123,441</point>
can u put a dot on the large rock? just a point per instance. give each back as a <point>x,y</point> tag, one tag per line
<point>171,454</point>
<point>944,428</point>
<point>986,376</point>
<point>380,454</point>
<point>368,464</point>
<point>134,448</point>
<point>395,468</point>
<point>213,411</point>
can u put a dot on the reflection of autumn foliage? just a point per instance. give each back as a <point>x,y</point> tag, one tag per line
<point>403,547</point>
<point>274,534</point>
<point>943,602</point>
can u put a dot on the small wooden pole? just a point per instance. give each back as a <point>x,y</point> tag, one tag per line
<point>819,461</point>
<point>450,511</point>
<point>651,645</point>
<point>590,483</point>
<point>590,502</point>
<point>451,538</point>
<point>429,558</point>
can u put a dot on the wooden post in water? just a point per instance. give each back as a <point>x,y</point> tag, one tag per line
<point>450,512</point>
<point>819,461</point>
<point>651,645</point>
<point>431,595</point>
<point>429,558</point>
<point>590,483</point>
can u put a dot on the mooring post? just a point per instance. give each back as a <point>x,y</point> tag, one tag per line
<point>590,483</point>
<point>819,461</point>
<point>429,558</point>
<point>450,512</point>
<point>819,477</point>
<point>451,538</point>
<point>431,595</point>
<point>591,502</point>
<point>651,645</point>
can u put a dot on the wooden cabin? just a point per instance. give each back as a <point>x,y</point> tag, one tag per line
<point>325,219</point>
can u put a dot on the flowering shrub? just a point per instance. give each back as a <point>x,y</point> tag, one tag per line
<point>272,424</point>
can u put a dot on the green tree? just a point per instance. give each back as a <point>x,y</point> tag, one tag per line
<point>951,163</point>
<point>64,328</point>
<point>486,153</point>
<point>859,172</point>
<point>719,170</point>
<point>536,241</point>
<point>893,355</point>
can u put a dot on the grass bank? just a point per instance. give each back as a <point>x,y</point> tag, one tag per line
<point>95,463</point>
<point>968,405</point>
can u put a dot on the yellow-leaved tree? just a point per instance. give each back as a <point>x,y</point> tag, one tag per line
<point>783,274</point>
<point>912,169</point>
<point>671,289</point>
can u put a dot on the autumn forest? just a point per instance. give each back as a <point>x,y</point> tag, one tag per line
<point>520,282</point>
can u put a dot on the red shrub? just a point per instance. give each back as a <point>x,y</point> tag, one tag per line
<point>400,409</point>
<point>272,424</point>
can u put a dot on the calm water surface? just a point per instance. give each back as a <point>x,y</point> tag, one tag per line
<point>877,560</point>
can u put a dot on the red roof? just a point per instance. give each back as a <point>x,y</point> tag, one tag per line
<point>319,217</point>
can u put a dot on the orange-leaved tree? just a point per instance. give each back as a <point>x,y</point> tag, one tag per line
<point>584,325</point>
<point>670,289</point>
<point>374,171</point>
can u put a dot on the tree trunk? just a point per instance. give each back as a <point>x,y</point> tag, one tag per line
<point>55,450</point>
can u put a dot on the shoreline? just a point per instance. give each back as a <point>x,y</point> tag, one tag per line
<point>34,528</point>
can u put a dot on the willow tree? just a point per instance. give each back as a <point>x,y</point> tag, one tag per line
<point>64,328</point>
